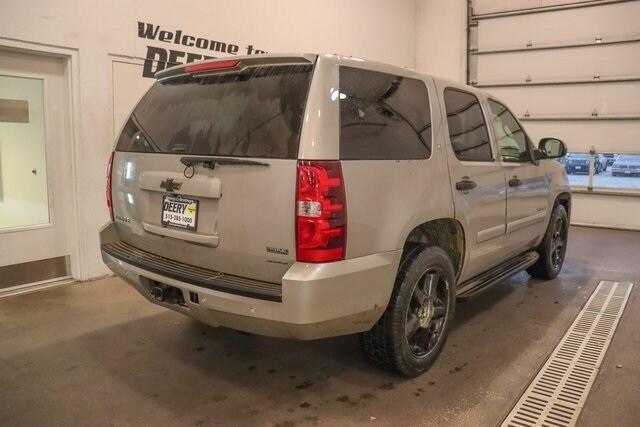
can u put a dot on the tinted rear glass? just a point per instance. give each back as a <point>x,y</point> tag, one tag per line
<point>253,113</point>
<point>383,116</point>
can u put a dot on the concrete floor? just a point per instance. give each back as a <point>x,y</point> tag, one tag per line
<point>96,353</point>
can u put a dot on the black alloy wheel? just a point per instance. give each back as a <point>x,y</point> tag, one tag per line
<point>553,248</point>
<point>558,242</point>
<point>427,312</point>
<point>414,327</point>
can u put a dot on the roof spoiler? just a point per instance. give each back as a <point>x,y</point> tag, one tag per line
<point>212,66</point>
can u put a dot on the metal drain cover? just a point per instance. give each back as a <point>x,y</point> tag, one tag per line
<point>557,394</point>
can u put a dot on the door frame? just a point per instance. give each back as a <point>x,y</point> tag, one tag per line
<point>78,261</point>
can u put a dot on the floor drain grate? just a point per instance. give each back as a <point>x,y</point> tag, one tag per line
<point>556,395</point>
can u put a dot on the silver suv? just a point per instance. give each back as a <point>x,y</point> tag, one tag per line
<point>309,196</point>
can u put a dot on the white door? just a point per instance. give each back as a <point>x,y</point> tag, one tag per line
<point>36,225</point>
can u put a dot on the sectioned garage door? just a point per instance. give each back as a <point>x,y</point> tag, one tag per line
<point>571,70</point>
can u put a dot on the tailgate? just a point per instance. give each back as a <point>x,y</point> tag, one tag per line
<point>205,169</point>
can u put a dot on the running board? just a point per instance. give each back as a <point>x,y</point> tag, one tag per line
<point>485,280</point>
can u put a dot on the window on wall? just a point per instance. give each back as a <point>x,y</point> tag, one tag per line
<point>610,171</point>
<point>383,116</point>
<point>467,127</point>
<point>24,198</point>
<point>510,137</point>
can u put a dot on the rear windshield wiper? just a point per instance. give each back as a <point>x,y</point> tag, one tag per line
<point>211,162</point>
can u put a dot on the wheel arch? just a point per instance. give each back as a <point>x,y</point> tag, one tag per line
<point>446,233</point>
<point>564,199</point>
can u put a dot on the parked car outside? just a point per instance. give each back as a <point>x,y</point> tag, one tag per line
<point>602,160</point>
<point>310,196</point>
<point>611,158</point>
<point>578,163</point>
<point>626,165</point>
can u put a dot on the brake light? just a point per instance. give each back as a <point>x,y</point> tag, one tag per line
<point>321,212</point>
<point>211,66</point>
<point>109,197</point>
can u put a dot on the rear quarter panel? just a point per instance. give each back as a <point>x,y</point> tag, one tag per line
<point>387,199</point>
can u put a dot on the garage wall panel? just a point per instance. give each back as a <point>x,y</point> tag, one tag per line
<point>606,99</point>
<point>605,211</point>
<point>493,6</point>
<point>606,136</point>
<point>603,112</point>
<point>561,64</point>
<point>619,20</point>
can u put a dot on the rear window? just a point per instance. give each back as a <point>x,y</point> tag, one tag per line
<point>383,116</point>
<point>253,113</point>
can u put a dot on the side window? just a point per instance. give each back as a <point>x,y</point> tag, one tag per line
<point>467,128</point>
<point>512,141</point>
<point>383,116</point>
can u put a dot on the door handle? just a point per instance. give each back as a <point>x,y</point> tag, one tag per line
<point>466,184</point>
<point>515,182</point>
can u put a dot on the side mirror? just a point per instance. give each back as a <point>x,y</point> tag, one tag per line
<point>552,148</point>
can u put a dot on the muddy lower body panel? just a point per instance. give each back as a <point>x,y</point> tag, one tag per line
<point>312,301</point>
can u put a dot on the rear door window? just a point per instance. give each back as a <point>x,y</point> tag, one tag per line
<point>383,116</point>
<point>256,112</point>
<point>467,127</point>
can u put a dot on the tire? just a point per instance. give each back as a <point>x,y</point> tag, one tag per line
<point>553,248</point>
<point>413,329</point>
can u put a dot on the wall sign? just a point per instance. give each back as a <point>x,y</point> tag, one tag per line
<point>158,58</point>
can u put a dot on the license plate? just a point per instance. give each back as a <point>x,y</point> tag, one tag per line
<point>578,167</point>
<point>180,212</point>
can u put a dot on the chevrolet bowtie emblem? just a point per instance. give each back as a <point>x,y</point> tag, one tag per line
<point>170,185</point>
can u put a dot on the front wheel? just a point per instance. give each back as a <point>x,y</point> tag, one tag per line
<point>411,333</point>
<point>553,247</point>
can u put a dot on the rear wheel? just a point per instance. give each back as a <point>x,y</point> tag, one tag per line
<point>412,331</point>
<point>553,247</point>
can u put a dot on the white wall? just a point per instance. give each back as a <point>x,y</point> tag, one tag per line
<point>441,38</point>
<point>106,32</point>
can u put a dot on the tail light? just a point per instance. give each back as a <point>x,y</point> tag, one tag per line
<point>109,197</point>
<point>321,212</point>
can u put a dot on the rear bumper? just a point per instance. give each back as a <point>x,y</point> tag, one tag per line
<point>317,300</point>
